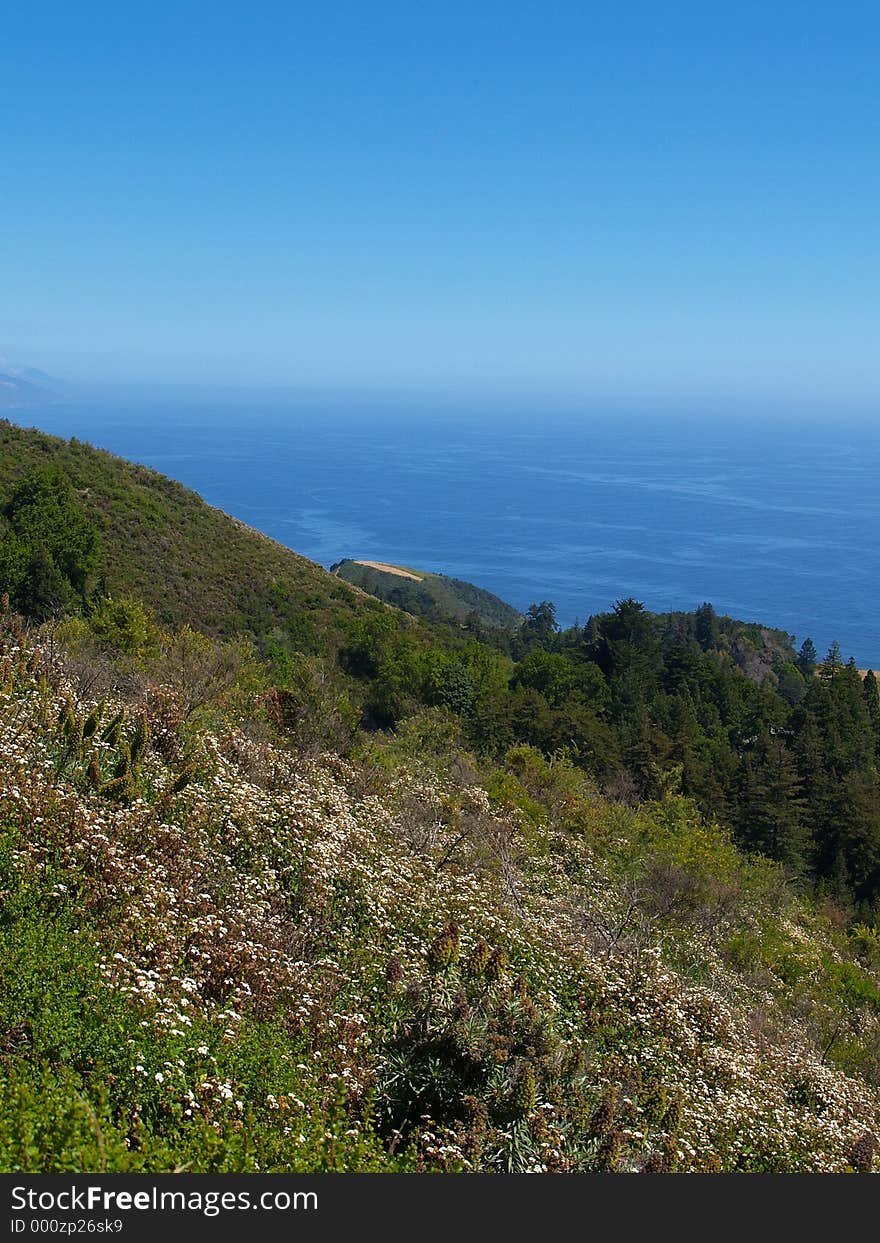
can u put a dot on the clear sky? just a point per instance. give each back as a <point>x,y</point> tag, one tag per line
<point>630,197</point>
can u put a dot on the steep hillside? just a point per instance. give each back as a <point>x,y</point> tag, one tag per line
<point>434,597</point>
<point>163,544</point>
<point>724,712</point>
<point>218,955</point>
<point>756,649</point>
<point>373,894</point>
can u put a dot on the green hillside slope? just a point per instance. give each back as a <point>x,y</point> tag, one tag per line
<point>372,894</point>
<point>781,747</point>
<point>219,956</point>
<point>433,597</point>
<point>161,543</point>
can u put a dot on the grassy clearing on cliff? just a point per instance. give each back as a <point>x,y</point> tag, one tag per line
<point>433,597</point>
<point>219,954</point>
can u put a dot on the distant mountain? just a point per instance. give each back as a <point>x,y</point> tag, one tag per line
<point>25,387</point>
<point>41,378</point>
<point>433,597</point>
<point>16,393</point>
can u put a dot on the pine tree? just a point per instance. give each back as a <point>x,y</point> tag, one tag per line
<point>706,628</point>
<point>540,623</point>
<point>769,817</point>
<point>833,662</point>
<point>807,658</point>
<point>871,696</point>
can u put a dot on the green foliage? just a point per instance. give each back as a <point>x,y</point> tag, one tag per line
<point>792,685</point>
<point>451,684</point>
<point>854,986</point>
<point>468,1049</point>
<point>724,708</point>
<point>540,623</point>
<point>311,704</point>
<point>407,960</point>
<point>126,625</point>
<point>550,673</point>
<point>707,630</point>
<point>105,756</point>
<point>506,791</point>
<point>85,1084</point>
<point>210,681</point>
<point>48,546</point>
<point>739,784</point>
<point>145,538</point>
<point>807,658</point>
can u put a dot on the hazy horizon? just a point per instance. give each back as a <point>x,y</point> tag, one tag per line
<point>256,403</point>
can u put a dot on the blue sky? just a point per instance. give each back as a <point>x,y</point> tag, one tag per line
<point>646,199</point>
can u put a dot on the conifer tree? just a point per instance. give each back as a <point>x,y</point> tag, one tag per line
<point>771,805</point>
<point>833,661</point>
<point>807,658</point>
<point>706,628</point>
<point>872,706</point>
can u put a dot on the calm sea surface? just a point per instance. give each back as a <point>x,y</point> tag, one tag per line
<point>779,524</point>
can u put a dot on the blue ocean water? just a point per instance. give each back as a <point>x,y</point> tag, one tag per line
<point>777,523</point>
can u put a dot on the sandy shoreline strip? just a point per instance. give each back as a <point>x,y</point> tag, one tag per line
<point>390,569</point>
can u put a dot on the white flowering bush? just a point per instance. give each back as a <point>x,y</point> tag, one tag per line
<point>220,954</point>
